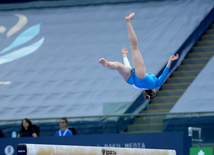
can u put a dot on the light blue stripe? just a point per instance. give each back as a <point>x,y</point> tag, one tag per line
<point>24,37</point>
<point>21,52</point>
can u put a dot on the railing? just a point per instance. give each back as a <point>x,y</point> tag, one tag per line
<point>190,133</point>
<point>194,114</point>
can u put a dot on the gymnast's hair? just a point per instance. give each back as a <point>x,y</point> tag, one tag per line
<point>149,94</point>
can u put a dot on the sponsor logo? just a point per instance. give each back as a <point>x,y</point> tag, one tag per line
<point>126,145</point>
<point>108,152</point>
<point>21,151</point>
<point>201,152</point>
<point>9,150</point>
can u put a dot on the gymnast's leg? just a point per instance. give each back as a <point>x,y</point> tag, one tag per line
<point>140,70</point>
<point>124,71</point>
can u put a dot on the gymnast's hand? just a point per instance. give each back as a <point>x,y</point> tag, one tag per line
<point>124,51</point>
<point>171,59</point>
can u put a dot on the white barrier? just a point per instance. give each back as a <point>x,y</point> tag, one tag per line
<point>35,149</point>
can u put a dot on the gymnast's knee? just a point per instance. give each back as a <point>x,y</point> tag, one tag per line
<point>117,63</point>
<point>134,47</point>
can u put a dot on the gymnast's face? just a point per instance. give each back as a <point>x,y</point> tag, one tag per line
<point>149,94</point>
<point>63,124</point>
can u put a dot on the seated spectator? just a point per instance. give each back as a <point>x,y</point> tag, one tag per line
<point>64,131</point>
<point>26,129</point>
<point>1,134</point>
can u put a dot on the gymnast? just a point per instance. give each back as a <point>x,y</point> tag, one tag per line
<point>137,76</point>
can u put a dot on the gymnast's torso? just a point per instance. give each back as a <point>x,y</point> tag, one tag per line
<point>149,82</point>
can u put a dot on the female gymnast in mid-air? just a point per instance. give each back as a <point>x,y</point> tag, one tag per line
<point>137,76</point>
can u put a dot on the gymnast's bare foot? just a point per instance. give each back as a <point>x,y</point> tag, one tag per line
<point>129,18</point>
<point>104,62</point>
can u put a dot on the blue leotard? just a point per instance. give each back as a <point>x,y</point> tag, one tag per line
<point>149,82</point>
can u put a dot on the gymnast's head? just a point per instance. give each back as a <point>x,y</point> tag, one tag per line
<point>149,94</point>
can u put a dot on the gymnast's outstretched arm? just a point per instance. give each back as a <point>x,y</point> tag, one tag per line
<point>166,70</point>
